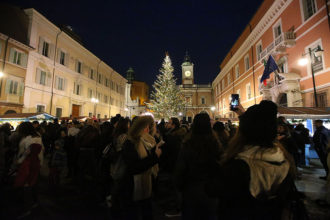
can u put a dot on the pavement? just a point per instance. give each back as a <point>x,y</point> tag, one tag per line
<point>67,202</point>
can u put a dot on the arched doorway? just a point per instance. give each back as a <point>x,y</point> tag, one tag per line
<point>283,100</point>
<point>10,112</point>
<point>189,116</point>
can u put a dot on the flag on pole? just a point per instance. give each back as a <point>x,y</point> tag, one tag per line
<point>270,67</point>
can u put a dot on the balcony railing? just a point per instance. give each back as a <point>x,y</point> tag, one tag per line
<point>284,40</point>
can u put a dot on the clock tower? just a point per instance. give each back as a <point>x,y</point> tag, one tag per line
<point>187,71</point>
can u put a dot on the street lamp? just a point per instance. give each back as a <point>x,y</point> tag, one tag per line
<point>213,109</point>
<point>95,101</point>
<point>303,61</point>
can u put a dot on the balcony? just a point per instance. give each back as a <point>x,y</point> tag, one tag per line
<point>279,45</point>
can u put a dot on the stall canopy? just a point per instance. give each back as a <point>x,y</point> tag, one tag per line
<point>26,117</point>
<point>304,112</point>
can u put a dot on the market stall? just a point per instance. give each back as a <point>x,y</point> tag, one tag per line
<point>17,118</point>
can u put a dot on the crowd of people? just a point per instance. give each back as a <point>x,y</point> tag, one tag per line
<point>215,170</point>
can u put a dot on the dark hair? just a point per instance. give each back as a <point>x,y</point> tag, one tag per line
<point>114,120</point>
<point>319,121</point>
<point>218,126</point>
<point>35,122</point>
<point>122,127</point>
<point>88,137</point>
<point>176,122</point>
<point>258,127</point>
<point>202,139</point>
<point>201,124</point>
<point>26,129</point>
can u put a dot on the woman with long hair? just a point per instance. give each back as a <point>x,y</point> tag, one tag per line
<point>140,154</point>
<point>255,171</point>
<point>196,162</point>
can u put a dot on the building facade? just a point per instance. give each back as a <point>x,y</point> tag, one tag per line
<point>14,50</point>
<point>198,97</point>
<point>13,64</point>
<point>293,32</point>
<point>64,78</point>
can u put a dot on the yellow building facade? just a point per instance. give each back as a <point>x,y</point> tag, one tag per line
<point>64,78</point>
<point>13,66</point>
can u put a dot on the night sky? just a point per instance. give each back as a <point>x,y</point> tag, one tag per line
<point>137,33</point>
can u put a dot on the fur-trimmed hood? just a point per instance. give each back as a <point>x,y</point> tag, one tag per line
<point>268,169</point>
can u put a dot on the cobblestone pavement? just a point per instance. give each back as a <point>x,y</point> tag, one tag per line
<point>315,189</point>
<point>69,203</point>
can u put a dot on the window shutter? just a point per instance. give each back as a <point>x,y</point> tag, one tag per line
<point>81,89</point>
<point>48,79</point>
<point>64,84</point>
<point>8,86</point>
<point>58,55</point>
<point>41,45</point>
<point>12,54</point>
<point>21,89</point>
<point>76,65</point>
<point>67,59</point>
<point>82,68</point>
<point>56,82</point>
<point>51,51</point>
<point>24,59</point>
<point>38,73</point>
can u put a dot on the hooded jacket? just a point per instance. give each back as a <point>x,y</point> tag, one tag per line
<point>248,186</point>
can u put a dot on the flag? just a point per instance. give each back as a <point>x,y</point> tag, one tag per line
<point>270,67</point>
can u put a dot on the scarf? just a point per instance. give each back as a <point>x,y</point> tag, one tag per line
<point>268,169</point>
<point>143,181</point>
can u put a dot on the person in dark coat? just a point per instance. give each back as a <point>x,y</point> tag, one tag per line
<point>26,179</point>
<point>288,142</point>
<point>222,133</point>
<point>198,158</point>
<point>140,154</point>
<point>253,174</point>
<point>321,140</point>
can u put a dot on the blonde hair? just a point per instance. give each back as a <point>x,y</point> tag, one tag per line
<point>135,132</point>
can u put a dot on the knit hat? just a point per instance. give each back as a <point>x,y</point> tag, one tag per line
<point>258,124</point>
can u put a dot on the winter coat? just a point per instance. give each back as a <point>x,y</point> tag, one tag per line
<point>171,148</point>
<point>28,172</point>
<point>191,174</point>
<point>139,171</point>
<point>321,138</point>
<point>248,186</point>
<point>25,143</point>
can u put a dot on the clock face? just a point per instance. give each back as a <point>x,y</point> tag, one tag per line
<point>187,73</point>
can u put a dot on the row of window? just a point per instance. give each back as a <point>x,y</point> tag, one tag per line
<point>59,112</point>
<point>308,8</point>
<point>47,49</point>
<point>202,100</point>
<point>104,98</point>
<point>44,78</point>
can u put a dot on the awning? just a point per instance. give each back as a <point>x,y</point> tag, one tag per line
<point>26,116</point>
<point>304,112</point>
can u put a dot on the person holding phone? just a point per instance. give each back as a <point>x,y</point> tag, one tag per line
<point>141,155</point>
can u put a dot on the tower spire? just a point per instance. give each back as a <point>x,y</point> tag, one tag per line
<point>187,58</point>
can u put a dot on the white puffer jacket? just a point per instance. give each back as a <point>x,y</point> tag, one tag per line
<point>24,145</point>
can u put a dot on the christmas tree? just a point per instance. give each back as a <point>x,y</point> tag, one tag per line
<point>166,99</point>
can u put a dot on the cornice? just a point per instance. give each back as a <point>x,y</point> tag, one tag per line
<point>41,20</point>
<point>263,25</point>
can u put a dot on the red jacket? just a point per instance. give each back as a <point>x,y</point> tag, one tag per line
<point>28,172</point>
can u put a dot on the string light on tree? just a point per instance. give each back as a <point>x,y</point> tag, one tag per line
<point>166,99</point>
